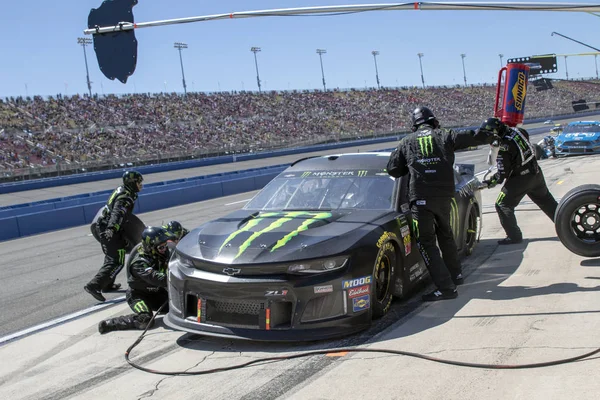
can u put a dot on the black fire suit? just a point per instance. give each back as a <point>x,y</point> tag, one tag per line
<point>518,166</point>
<point>147,292</point>
<point>114,216</point>
<point>427,155</point>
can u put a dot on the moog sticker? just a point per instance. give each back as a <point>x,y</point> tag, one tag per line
<point>356,282</point>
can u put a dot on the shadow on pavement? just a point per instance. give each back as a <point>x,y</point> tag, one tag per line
<point>594,262</point>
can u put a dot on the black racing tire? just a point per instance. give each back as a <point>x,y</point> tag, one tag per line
<point>383,279</point>
<point>577,220</point>
<point>470,234</point>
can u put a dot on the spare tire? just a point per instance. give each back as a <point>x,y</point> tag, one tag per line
<point>577,220</point>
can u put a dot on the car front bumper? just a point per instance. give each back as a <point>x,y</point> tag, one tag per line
<point>266,307</point>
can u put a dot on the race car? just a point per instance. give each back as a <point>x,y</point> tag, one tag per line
<point>580,137</point>
<point>317,253</point>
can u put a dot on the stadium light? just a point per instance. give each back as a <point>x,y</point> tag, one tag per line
<point>464,72</point>
<point>375,54</point>
<point>180,46</point>
<point>320,52</point>
<point>256,50</point>
<point>421,65</point>
<point>84,42</point>
<point>501,61</point>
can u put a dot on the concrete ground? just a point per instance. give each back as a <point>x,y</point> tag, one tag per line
<point>520,304</point>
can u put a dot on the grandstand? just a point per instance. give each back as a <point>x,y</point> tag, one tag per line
<point>60,134</point>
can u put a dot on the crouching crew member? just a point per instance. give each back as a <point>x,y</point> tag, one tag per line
<point>147,279</point>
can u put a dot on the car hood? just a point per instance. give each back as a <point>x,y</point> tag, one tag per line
<point>247,237</point>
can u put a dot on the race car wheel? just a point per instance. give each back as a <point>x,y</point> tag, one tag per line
<point>383,275</point>
<point>577,220</point>
<point>471,231</point>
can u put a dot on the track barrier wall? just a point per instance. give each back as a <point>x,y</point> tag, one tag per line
<point>33,218</point>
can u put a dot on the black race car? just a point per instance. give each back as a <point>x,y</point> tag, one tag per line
<point>318,252</point>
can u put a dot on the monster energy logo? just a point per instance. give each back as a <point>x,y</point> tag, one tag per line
<point>501,197</point>
<point>425,145</point>
<point>306,174</point>
<point>284,217</point>
<point>521,142</point>
<point>454,222</point>
<point>140,307</point>
<point>362,173</point>
<point>415,224</point>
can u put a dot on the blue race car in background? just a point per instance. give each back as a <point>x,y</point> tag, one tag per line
<point>580,137</point>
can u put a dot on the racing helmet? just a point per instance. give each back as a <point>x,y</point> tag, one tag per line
<point>176,229</point>
<point>133,180</point>
<point>494,126</point>
<point>423,115</point>
<point>155,241</point>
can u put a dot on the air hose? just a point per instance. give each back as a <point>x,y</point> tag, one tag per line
<point>345,350</point>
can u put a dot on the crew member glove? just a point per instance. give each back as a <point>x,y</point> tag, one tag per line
<point>490,183</point>
<point>108,233</point>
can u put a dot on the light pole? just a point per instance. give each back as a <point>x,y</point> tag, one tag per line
<point>320,52</point>
<point>501,62</point>
<point>375,54</point>
<point>463,64</point>
<point>84,42</point>
<point>180,46</point>
<point>421,65</point>
<point>256,50</point>
<point>566,68</point>
<point>596,63</point>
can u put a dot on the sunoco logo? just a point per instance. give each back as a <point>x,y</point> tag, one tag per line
<point>277,223</point>
<point>519,91</point>
<point>425,145</point>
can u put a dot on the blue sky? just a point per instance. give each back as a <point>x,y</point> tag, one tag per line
<point>40,55</point>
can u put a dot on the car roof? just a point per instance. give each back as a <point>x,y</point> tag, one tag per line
<point>343,161</point>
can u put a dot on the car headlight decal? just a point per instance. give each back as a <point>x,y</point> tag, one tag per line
<point>318,266</point>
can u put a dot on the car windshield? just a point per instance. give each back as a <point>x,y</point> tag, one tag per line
<point>326,190</point>
<point>580,128</point>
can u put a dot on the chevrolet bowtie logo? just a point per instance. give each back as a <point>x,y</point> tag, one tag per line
<point>231,271</point>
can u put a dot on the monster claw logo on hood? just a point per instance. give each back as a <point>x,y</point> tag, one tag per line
<point>284,217</point>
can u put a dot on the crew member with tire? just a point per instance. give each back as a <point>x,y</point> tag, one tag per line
<point>521,174</point>
<point>111,227</point>
<point>147,279</point>
<point>427,155</point>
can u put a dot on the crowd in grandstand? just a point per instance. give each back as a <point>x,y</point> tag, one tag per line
<point>76,129</point>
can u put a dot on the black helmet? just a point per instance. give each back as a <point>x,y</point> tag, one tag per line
<point>154,241</point>
<point>423,115</point>
<point>131,179</point>
<point>175,228</point>
<point>494,126</point>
